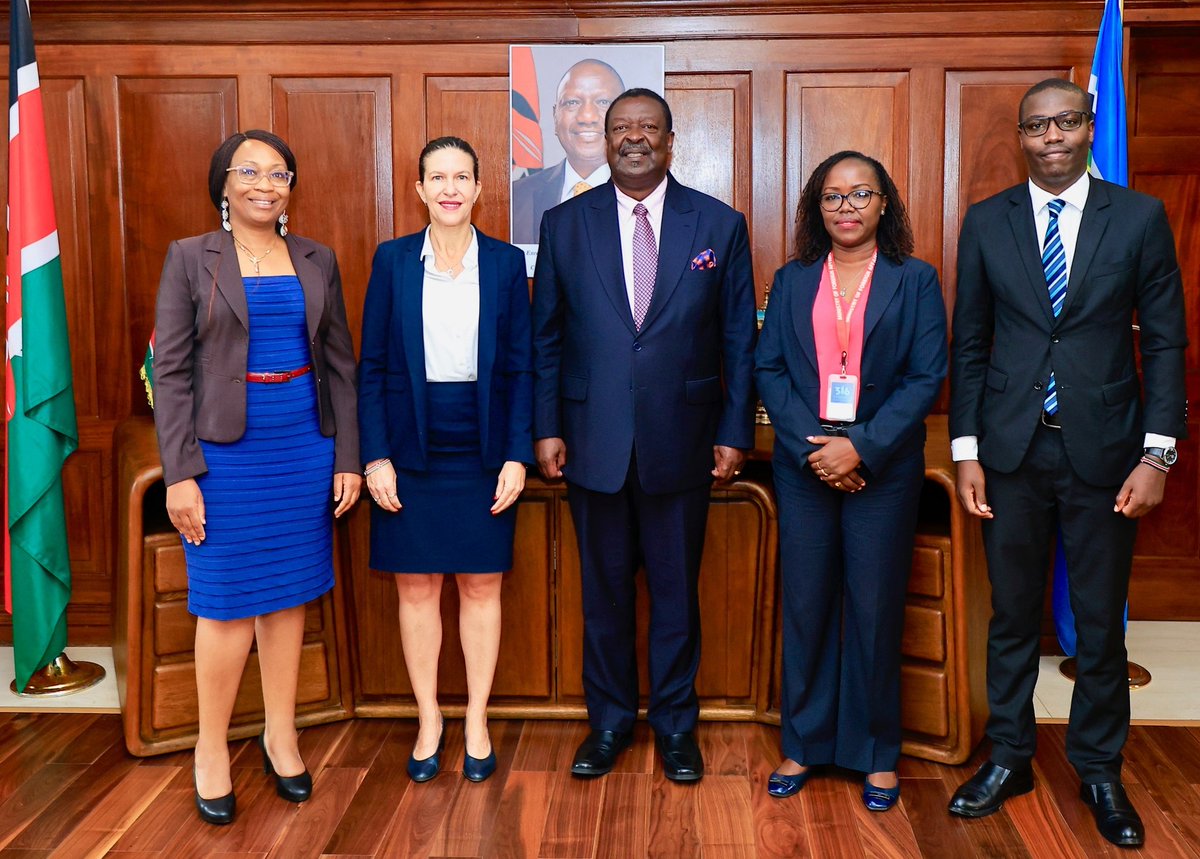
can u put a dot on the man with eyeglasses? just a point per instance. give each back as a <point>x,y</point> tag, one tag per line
<point>1052,431</point>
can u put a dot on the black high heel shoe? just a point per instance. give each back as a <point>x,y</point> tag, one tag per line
<point>219,811</point>
<point>293,788</point>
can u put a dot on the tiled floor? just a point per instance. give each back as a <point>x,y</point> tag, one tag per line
<point>1169,651</point>
<point>101,698</point>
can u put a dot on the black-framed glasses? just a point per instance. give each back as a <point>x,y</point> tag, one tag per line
<point>1068,120</point>
<point>859,198</point>
<point>248,174</point>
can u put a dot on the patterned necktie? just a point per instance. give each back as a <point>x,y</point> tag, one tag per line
<point>579,187</point>
<point>1054,263</point>
<point>645,264</point>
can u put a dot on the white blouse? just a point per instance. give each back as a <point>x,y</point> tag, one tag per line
<point>450,312</point>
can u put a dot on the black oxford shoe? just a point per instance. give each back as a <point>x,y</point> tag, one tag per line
<point>984,793</point>
<point>1116,818</point>
<point>598,753</point>
<point>681,758</point>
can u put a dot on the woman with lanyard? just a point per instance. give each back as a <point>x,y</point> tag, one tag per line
<point>849,362</point>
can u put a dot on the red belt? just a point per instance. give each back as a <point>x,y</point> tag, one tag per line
<point>276,378</point>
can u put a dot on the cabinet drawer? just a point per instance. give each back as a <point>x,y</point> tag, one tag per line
<point>924,700</point>
<point>924,633</point>
<point>166,558</point>
<point>931,557</point>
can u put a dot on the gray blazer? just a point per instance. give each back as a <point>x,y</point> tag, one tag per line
<point>202,341</point>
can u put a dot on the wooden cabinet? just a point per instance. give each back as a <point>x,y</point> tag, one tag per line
<point>153,632</point>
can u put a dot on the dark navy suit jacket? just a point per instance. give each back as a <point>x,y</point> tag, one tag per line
<point>670,391</point>
<point>532,195</point>
<point>392,390</point>
<point>903,361</point>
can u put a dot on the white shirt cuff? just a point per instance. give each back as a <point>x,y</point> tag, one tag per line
<point>964,447</point>
<point>1156,440</point>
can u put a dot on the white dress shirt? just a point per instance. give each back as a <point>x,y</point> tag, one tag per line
<point>450,314</point>
<point>570,179</point>
<point>627,220</point>
<point>1075,197</point>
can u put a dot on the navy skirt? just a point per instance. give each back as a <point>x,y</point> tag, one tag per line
<point>445,524</point>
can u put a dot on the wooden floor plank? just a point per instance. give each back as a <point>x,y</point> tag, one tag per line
<point>674,830</point>
<point>723,810</point>
<point>723,745</point>
<point>832,830</point>
<point>573,819</point>
<point>470,821</point>
<point>883,835</point>
<point>521,817</point>
<point>34,796</point>
<point>937,832</point>
<point>418,827</point>
<point>625,813</point>
<point>370,812</point>
<point>780,828</point>
<point>30,744</point>
<point>113,814</point>
<point>333,789</point>
<point>1041,826</point>
<point>549,746</point>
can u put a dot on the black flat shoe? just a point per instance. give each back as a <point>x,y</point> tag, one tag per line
<point>984,793</point>
<point>293,788</point>
<point>598,753</point>
<point>478,769</point>
<point>219,811</point>
<point>427,768</point>
<point>1116,818</point>
<point>681,757</point>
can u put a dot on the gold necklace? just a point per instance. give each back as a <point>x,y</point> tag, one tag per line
<point>254,260</point>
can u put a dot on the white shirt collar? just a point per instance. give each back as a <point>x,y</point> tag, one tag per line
<point>1076,195</point>
<point>470,259</point>
<point>653,201</point>
<point>570,178</point>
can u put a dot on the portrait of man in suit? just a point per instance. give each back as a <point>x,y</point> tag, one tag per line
<point>1052,430</point>
<point>644,327</point>
<point>583,95</point>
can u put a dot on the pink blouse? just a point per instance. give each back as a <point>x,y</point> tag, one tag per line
<point>825,333</point>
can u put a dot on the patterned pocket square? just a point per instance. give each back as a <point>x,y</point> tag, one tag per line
<point>704,259</point>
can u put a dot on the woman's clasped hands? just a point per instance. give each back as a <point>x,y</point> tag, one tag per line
<point>836,463</point>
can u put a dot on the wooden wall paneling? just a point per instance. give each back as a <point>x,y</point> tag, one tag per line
<point>983,155</point>
<point>713,151</point>
<point>340,129</point>
<point>476,109</point>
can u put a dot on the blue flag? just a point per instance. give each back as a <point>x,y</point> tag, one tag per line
<point>1109,161</point>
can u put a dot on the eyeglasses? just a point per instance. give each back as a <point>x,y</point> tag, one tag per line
<point>858,199</point>
<point>249,175</point>
<point>1068,120</point>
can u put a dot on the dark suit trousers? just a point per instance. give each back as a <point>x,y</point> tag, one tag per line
<point>616,533</point>
<point>1029,503</point>
<point>845,563</point>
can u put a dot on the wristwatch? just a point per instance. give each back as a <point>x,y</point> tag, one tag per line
<point>1167,454</point>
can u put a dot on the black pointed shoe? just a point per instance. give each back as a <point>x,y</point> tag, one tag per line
<point>293,788</point>
<point>1116,818</point>
<point>219,811</point>
<point>597,754</point>
<point>681,758</point>
<point>984,793</point>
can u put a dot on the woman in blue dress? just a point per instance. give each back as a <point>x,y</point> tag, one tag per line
<point>445,413</point>
<point>257,429</point>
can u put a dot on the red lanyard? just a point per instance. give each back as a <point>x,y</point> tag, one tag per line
<point>844,317</point>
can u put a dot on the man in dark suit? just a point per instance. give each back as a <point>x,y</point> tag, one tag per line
<point>1049,431</point>
<point>643,314</point>
<point>584,94</point>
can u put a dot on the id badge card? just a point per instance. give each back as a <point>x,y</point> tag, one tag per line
<point>843,397</point>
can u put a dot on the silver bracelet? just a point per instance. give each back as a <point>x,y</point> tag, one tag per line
<point>376,467</point>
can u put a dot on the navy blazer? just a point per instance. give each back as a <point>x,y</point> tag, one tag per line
<point>903,361</point>
<point>672,390</point>
<point>392,414</point>
<point>1007,338</point>
<point>532,195</point>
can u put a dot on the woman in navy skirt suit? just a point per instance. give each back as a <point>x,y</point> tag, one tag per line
<point>257,429</point>
<point>850,359</point>
<point>445,413</point>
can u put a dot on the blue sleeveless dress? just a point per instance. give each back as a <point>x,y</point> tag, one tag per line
<point>267,496</point>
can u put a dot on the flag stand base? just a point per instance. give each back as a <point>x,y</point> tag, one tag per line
<point>61,677</point>
<point>1138,676</point>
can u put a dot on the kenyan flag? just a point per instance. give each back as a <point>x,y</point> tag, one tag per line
<point>39,405</point>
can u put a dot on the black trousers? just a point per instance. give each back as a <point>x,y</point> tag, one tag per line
<point>618,532</point>
<point>1045,493</point>
<point>845,561</point>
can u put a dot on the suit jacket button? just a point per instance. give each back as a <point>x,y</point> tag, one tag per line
<point>1037,386</point>
<point>637,347</point>
<point>1054,339</point>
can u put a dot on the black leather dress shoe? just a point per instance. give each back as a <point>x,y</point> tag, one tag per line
<point>681,758</point>
<point>984,793</point>
<point>1116,818</point>
<point>218,811</point>
<point>598,753</point>
<point>293,788</point>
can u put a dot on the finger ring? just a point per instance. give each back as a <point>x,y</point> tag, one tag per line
<point>391,495</point>
<point>824,473</point>
<point>737,472</point>
<point>838,484</point>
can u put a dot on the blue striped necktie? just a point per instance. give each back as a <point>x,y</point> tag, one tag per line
<point>1054,263</point>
